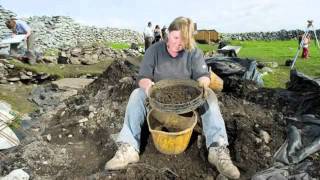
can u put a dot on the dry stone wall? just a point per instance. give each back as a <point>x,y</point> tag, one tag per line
<point>267,36</point>
<point>4,15</point>
<point>62,31</point>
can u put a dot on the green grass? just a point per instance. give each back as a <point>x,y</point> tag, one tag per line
<point>280,51</point>
<point>51,52</point>
<point>207,47</point>
<point>278,78</point>
<point>65,70</point>
<point>16,95</point>
<point>118,46</point>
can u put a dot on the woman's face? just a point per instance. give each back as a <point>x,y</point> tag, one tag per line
<point>175,43</point>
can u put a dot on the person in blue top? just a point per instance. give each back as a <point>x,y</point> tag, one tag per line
<point>21,27</point>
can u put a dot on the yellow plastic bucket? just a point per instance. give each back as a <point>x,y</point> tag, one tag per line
<point>171,132</point>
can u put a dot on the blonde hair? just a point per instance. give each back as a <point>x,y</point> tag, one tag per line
<point>186,28</point>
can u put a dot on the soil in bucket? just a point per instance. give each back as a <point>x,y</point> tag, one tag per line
<point>176,94</point>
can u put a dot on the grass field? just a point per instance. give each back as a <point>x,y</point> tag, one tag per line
<point>280,51</point>
<point>277,51</point>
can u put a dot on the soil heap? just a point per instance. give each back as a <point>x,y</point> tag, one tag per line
<point>75,140</point>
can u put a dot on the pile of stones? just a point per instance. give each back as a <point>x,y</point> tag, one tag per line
<point>4,15</point>
<point>10,74</point>
<point>89,55</point>
<point>52,32</point>
<point>61,32</point>
<point>267,36</point>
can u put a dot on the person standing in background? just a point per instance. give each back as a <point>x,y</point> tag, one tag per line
<point>157,34</point>
<point>305,46</point>
<point>148,36</point>
<point>164,32</point>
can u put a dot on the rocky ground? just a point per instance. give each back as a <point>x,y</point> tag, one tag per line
<point>71,135</point>
<point>80,55</point>
<point>10,74</point>
<point>92,54</point>
<point>74,138</point>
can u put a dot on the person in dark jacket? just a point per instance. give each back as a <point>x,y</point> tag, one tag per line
<point>157,34</point>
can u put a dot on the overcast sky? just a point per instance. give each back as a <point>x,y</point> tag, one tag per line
<point>222,15</point>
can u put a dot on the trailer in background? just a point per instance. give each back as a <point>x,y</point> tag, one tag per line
<point>207,36</point>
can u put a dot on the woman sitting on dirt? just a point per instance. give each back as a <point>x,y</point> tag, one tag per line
<point>175,58</point>
<point>20,27</point>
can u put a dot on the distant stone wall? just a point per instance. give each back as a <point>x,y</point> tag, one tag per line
<point>62,31</point>
<point>277,35</point>
<point>4,15</point>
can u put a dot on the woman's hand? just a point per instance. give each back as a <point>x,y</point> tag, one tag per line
<point>204,83</point>
<point>146,84</point>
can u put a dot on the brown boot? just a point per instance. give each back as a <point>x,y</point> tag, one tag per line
<point>220,157</point>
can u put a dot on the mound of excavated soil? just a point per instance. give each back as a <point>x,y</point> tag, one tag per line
<point>79,139</point>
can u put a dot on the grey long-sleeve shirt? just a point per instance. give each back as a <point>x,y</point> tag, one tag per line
<point>157,64</point>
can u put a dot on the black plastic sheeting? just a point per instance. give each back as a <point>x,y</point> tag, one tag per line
<point>233,68</point>
<point>303,134</point>
<point>280,172</point>
<point>301,141</point>
<point>301,82</point>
